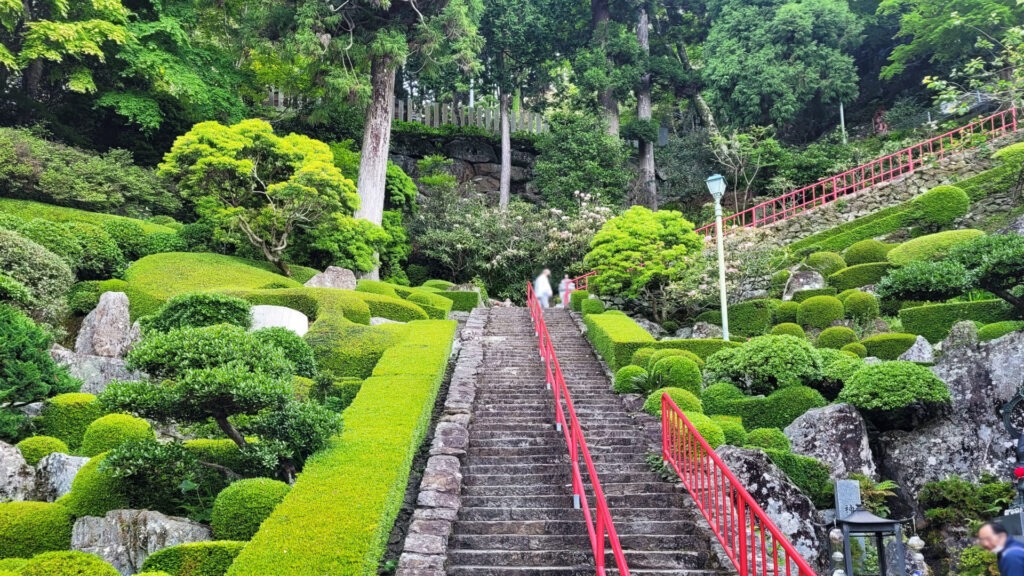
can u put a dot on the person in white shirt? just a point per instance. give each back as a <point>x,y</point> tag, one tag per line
<point>542,288</point>
<point>565,288</point>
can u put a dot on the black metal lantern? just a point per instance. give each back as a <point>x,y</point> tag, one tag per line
<point>886,535</point>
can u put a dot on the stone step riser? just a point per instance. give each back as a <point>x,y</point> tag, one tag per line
<point>562,527</point>
<point>566,513</point>
<point>550,541</point>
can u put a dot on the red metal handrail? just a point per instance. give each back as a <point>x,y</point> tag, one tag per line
<point>599,524</point>
<point>752,541</point>
<point>867,175</point>
<point>583,282</point>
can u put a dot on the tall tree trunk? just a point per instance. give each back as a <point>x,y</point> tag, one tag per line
<point>33,78</point>
<point>700,104</point>
<point>505,189</point>
<point>648,189</point>
<point>600,17</point>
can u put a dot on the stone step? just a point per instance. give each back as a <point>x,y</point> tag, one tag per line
<point>519,557</point>
<point>565,512</point>
<point>588,570</point>
<point>573,540</point>
<point>558,486</point>
<point>519,469</point>
<point>615,501</point>
<point>548,527</point>
<point>514,442</point>
<point>607,477</point>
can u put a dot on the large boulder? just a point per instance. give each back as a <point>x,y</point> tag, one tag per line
<point>789,508</point>
<point>333,277</point>
<point>264,316</point>
<point>107,331</point>
<point>95,372</point>
<point>836,435</point>
<point>969,439</point>
<point>921,352</point>
<point>17,478</point>
<point>54,474</point>
<point>703,330</point>
<point>125,538</point>
<point>803,280</point>
<point>652,328</point>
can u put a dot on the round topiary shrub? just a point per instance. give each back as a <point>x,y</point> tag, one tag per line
<point>789,329</point>
<point>767,439</point>
<point>630,379</point>
<point>787,312</point>
<point>999,329</point>
<point>866,251</point>
<point>861,306</point>
<point>592,306</point>
<point>896,395</point>
<point>35,448</point>
<point>820,311</point>
<point>678,372</point>
<point>160,573</point>
<point>160,242</point>
<point>931,247</point>
<point>836,375</point>
<point>94,491</point>
<point>856,348</point>
<point>101,258</point>
<point>685,399</point>
<point>940,206</point>
<point>888,346</point>
<point>846,294</point>
<point>68,563</point>
<point>128,235</point>
<point>53,236</point>
<point>66,416</point>
<point>766,363</point>
<point>195,558</point>
<point>45,275</point>
<point>29,528</point>
<point>836,337</point>
<point>240,508</point>
<point>827,263</point>
<point>660,355</point>
<point>112,430</point>
<point>732,427</point>
<point>707,428</point>
<point>642,357</point>
<point>295,349</point>
<point>200,309</point>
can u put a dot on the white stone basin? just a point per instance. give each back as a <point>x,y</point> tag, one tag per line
<point>279,317</point>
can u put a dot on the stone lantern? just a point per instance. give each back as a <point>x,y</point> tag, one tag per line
<point>885,535</point>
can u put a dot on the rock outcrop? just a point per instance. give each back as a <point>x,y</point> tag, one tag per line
<point>803,280</point>
<point>705,330</point>
<point>333,277</point>
<point>17,478</point>
<point>107,331</point>
<point>125,538</point>
<point>54,474</point>
<point>921,352</point>
<point>836,435</point>
<point>95,372</point>
<point>264,316</point>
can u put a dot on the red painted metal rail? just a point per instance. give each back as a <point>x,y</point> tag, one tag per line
<point>599,522</point>
<point>583,282</point>
<point>867,175</point>
<point>751,540</point>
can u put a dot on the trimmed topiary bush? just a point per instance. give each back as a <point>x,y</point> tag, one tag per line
<point>999,329</point>
<point>629,378</point>
<point>94,491</point>
<point>767,439</point>
<point>777,410</point>
<point>888,346</point>
<point>931,247</point>
<point>68,563</point>
<point>199,309</point>
<point>859,275</point>
<point>826,262</point>
<point>866,251</point>
<point>642,357</point>
<point>861,306</point>
<point>789,329</point>
<point>222,451</point>
<point>44,274</point>
<point>752,317</point>
<point>820,311</point>
<point>660,355</point>
<point>295,349</point>
<point>66,416</point>
<point>376,287</point>
<point>933,321</point>
<point>707,428</point>
<point>13,565</point>
<point>787,312</point>
<point>896,395</point>
<point>808,474</point>
<point>685,399</point>
<point>35,448</point>
<point>678,372</point>
<point>30,528</point>
<point>195,558</point>
<point>101,258</point>
<point>803,295</point>
<point>732,428</point>
<point>592,306</point>
<point>240,508</point>
<point>577,298</point>
<point>856,348</point>
<point>836,337</point>
<point>835,375</point>
<point>940,206</point>
<point>766,363</point>
<point>436,306</point>
<point>112,430</point>
<point>440,284</point>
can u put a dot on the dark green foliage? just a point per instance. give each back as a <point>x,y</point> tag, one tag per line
<point>129,237</point>
<point>820,311</point>
<point>778,283</point>
<point>14,292</point>
<point>933,321</point>
<point>66,416</point>
<point>976,561</point>
<point>866,251</point>
<point>767,439</point>
<point>732,428</point>
<point>29,528</point>
<point>576,155</point>
<point>687,401</point>
<point>790,329</point>
<point>347,349</point>
<point>67,563</point>
<point>42,272</point>
<point>240,508</point>
<point>836,374</point>
<point>836,337</point>
<point>766,363</point>
<point>777,410</point>
<point>752,317</point>
<point>462,301</point>
<point>291,434</point>
<point>198,309</point>
<point>171,354</point>
<point>895,395</point>
<point>841,237</point>
<point>35,448</point>
<point>659,354</point>
<point>861,306</point>
<point>940,206</point>
<point>808,474</point>
<point>888,346</point>
<point>957,502</point>
<point>642,357</point>
<point>931,247</point>
<point>53,236</point>
<point>159,242</point>
<point>856,348</point>
<point>576,299</point>
<point>339,394</point>
<point>999,329</point>
<point>677,372</point>
<point>592,306</point>
<point>787,312</point>
<point>110,431</point>
<point>859,275</point>
<point>295,349</point>
<point>627,379</point>
<point>94,491</point>
<point>827,263</point>
<point>706,427</point>
<point>803,295</point>
<point>195,558</point>
<point>101,258</point>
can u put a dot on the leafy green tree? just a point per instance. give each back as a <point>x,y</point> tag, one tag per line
<point>577,155</point>
<point>999,75</point>
<point>640,252</point>
<point>268,187</point>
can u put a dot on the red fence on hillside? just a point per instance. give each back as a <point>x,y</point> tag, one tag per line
<point>880,170</point>
<point>752,541</point>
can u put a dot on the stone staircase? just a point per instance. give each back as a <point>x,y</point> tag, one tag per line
<point>517,516</point>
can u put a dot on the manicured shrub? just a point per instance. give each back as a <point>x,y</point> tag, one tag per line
<point>592,306</point>
<point>195,558</point>
<point>199,309</point>
<point>101,258</point>
<point>940,206</point>
<point>836,374</point>
<point>888,346</point>
<point>351,350</point>
<point>663,353</point>
<point>999,329</point>
<point>789,329</point>
<point>441,284</point>
<point>295,349</point>
<point>13,565</point>
<point>29,528</point>
<point>642,357</point>
<point>171,354</point>
<point>787,312</point>
<point>820,311</point>
<point>53,236</point>
<point>222,451</point>
<point>710,317</point>
<point>807,474</point>
<point>686,400</point>
<point>164,242</point>
<point>163,276</point>
<point>931,247</point>
<point>463,301</point>
<point>244,505</point>
<point>35,448</point>
<point>976,561</point>
<point>752,317</point>
<point>803,295</point>
<point>376,287</point>
<point>66,416</point>
<point>856,348</point>
<point>732,428</point>
<point>861,306</point>
<point>616,338</point>
<point>340,394</point>
<point>933,321</point>
<point>392,307</point>
<point>68,563</point>
<point>14,292</point>
<point>866,251</point>
<point>896,395</point>
<point>627,378</point>
<point>846,294</point>
<point>128,235</point>
<point>825,262</point>
<point>45,275</point>
<point>840,237</point>
<point>678,372</point>
<point>766,363</point>
<point>859,275</point>
<point>436,306</point>
<point>836,337</point>
<point>777,410</point>
<point>112,430</point>
<point>701,347</point>
<point>707,428</point>
<point>94,491</point>
<point>577,298</point>
<point>767,439</point>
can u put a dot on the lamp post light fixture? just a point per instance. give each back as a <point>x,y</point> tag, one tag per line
<point>716,185</point>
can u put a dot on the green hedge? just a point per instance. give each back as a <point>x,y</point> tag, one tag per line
<point>316,303</point>
<point>339,514</point>
<point>627,377</point>
<point>825,262</point>
<point>686,400</point>
<point>112,430</point>
<point>808,474</point>
<point>888,346</point>
<point>465,301</point>
<point>393,307</point>
<point>931,247</point>
<point>436,306</point>
<point>616,338</point>
<point>752,317</point>
<point>859,275</point>
<point>802,295</point>
<point>985,333</point>
<point>866,252</point>
<point>66,416</point>
<point>767,439</point>
<point>240,508</point>
<point>820,311</point>
<point>776,410</point>
<point>28,528</point>
<point>576,299</point>
<point>67,563</point>
<point>732,428</point>
<point>702,347</point>
<point>35,448</point>
<point>836,337</point>
<point>845,235</point>
<point>195,558</point>
<point>788,328</point>
<point>346,349</point>
<point>591,306</point>
<point>94,492</point>
<point>787,312</point>
<point>222,451</point>
<point>376,287</point>
<point>440,284</point>
<point>940,206</point>
<point>934,320</point>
